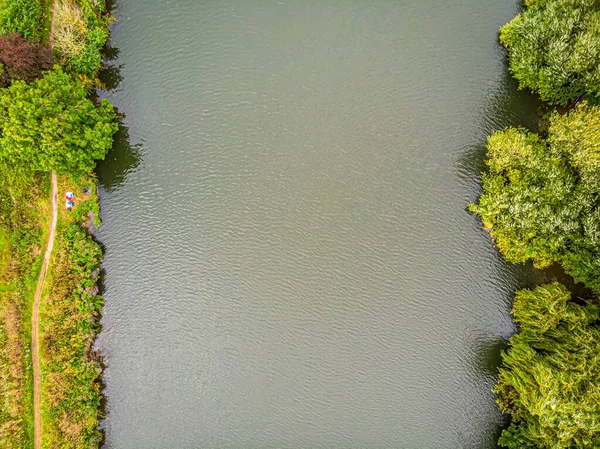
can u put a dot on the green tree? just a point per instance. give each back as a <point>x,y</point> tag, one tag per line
<point>548,380</point>
<point>554,49</point>
<point>541,196</point>
<point>50,124</point>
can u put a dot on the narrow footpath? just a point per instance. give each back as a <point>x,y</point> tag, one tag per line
<point>35,315</point>
<point>35,323</point>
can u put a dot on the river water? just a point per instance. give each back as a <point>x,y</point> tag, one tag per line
<point>289,262</point>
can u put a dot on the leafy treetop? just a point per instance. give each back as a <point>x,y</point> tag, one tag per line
<point>50,124</point>
<point>554,49</point>
<point>541,197</point>
<point>549,377</point>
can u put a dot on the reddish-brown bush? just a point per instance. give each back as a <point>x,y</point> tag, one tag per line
<point>21,60</point>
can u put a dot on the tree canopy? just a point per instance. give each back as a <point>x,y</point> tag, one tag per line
<point>541,196</point>
<point>50,124</point>
<point>554,49</point>
<point>549,377</point>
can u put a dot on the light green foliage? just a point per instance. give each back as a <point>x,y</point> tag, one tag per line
<point>554,49</point>
<point>549,377</point>
<point>23,17</point>
<point>541,197</point>
<point>50,124</point>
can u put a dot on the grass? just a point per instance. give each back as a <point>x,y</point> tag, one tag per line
<point>23,234</point>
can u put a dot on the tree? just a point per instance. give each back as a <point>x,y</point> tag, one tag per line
<point>554,49</point>
<point>548,380</point>
<point>541,196</point>
<point>50,124</point>
<point>21,60</point>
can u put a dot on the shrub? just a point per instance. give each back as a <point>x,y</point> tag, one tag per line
<point>554,49</point>
<point>21,60</point>
<point>541,197</point>
<point>23,17</point>
<point>80,33</point>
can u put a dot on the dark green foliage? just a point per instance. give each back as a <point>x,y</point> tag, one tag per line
<point>541,197</point>
<point>52,125</point>
<point>23,17</point>
<point>549,377</point>
<point>21,60</point>
<point>554,49</point>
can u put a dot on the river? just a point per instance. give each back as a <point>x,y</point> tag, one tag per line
<point>289,262</point>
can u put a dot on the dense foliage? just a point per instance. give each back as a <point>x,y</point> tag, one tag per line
<point>21,60</point>
<point>23,17</point>
<point>549,378</point>
<point>50,124</point>
<point>554,49</point>
<point>71,369</point>
<point>80,33</point>
<point>541,196</point>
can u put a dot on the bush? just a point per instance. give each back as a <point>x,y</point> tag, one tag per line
<point>554,49</point>
<point>80,33</point>
<point>21,60</point>
<point>548,378</point>
<point>52,125</point>
<point>541,197</point>
<point>23,17</point>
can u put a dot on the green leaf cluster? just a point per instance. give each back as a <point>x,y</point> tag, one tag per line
<point>23,17</point>
<point>554,49</point>
<point>51,124</point>
<point>549,378</point>
<point>541,196</point>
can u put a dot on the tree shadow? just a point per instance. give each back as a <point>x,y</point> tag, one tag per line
<point>110,73</point>
<point>123,158</point>
<point>487,361</point>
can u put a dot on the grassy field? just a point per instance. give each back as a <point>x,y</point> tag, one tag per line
<point>23,233</point>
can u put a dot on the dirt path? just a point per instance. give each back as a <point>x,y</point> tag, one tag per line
<point>35,315</point>
<point>51,37</point>
<point>35,323</point>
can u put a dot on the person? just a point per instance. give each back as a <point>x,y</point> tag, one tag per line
<point>69,196</point>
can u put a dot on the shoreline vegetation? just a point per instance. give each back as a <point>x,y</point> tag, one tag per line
<point>51,120</point>
<point>541,202</point>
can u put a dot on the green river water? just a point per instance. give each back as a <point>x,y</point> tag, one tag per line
<point>289,262</point>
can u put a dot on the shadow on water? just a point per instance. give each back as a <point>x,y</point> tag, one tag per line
<point>515,108</point>
<point>122,159</point>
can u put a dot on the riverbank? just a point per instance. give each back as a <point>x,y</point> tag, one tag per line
<point>540,202</point>
<point>69,306</point>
